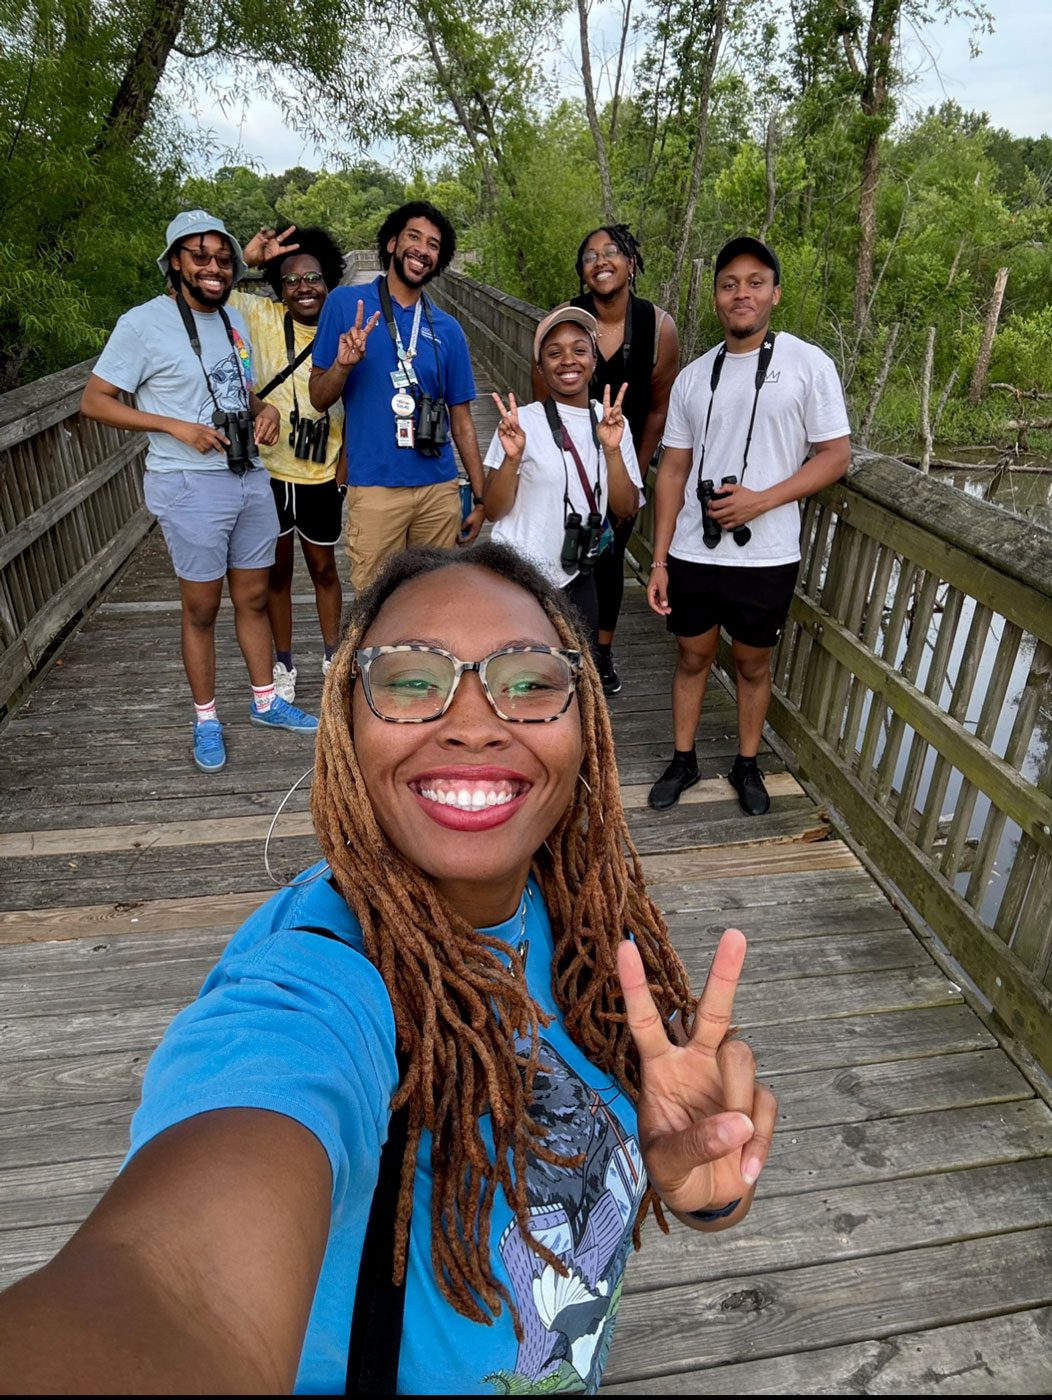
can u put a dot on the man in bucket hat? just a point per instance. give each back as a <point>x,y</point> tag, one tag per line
<point>187,361</point>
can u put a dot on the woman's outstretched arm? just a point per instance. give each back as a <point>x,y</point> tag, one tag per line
<point>194,1274</point>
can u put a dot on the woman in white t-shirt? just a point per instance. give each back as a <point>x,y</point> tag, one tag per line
<point>557,465</point>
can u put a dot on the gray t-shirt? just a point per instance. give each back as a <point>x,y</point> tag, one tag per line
<point>149,355</point>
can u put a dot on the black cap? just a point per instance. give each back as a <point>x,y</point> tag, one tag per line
<point>737,246</point>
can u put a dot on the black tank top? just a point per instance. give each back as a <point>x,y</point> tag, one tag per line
<point>636,371</point>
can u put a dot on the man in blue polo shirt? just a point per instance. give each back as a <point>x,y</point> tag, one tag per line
<point>403,370</point>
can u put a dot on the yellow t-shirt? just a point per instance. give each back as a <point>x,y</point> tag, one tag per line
<point>266,328</point>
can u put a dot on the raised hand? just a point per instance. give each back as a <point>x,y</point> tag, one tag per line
<point>509,429</point>
<point>611,427</point>
<point>267,244</point>
<point>351,349</point>
<point>705,1125</point>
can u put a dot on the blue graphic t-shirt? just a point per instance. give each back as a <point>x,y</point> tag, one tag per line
<point>149,355</point>
<point>302,1025</point>
<point>373,456</point>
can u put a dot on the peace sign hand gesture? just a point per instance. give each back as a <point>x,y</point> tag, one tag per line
<point>705,1125</point>
<point>509,429</point>
<point>611,427</point>
<point>351,349</point>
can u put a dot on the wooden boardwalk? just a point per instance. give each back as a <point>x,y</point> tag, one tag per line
<point>902,1241</point>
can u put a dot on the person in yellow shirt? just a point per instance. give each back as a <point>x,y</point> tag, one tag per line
<point>307,469</point>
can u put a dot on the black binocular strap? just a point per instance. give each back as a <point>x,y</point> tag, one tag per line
<point>763,364</point>
<point>379,1304</point>
<point>195,345</point>
<point>396,340</point>
<point>375,1342</point>
<point>290,368</point>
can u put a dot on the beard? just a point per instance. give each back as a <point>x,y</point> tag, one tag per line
<point>744,332</point>
<point>203,298</point>
<point>411,279</point>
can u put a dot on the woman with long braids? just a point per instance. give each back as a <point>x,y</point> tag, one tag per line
<point>474,976</point>
<point>638,347</point>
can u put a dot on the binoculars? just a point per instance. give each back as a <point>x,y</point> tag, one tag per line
<point>308,437</point>
<point>581,542</point>
<point>432,426</point>
<point>712,530</point>
<point>241,453</point>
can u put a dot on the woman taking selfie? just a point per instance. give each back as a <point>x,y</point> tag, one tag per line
<point>454,981</point>
<point>558,464</point>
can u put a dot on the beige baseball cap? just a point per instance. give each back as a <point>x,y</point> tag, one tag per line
<point>576,314</point>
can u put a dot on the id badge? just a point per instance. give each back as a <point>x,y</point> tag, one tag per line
<point>405,434</point>
<point>399,378</point>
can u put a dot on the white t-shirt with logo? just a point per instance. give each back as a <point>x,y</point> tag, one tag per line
<point>535,525</point>
<point>801,402</point>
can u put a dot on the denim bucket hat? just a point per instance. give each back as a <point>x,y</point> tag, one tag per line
<point>197,221</point>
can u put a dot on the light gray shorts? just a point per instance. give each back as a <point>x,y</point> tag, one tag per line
<point>214,520</point>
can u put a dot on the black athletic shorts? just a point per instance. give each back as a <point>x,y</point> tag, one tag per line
<point>751,604</point>
<point>314,512</point>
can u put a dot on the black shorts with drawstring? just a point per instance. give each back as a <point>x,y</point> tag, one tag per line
<point>751,604</point>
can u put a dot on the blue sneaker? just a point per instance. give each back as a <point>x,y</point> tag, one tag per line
<point>282,715</point>
<point>209,750</point>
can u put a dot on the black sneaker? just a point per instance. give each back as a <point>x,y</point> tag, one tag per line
<point>681,774</point>
<point>611,680</point>
<point>747,781</point>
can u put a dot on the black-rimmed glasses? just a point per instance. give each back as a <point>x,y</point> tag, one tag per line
<point>293,279</point>
<point>414,683</point>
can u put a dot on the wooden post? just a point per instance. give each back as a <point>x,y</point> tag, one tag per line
<point>925,401</point>
<point>878,384</point>
<point>986,350</point>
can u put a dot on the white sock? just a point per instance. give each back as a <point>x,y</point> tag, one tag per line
<point>205,711</point>
<point>263,697</point>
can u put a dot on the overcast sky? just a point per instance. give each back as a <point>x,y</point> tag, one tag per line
<point>1009,80</point>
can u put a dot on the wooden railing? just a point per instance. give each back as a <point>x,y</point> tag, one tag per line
<point>71,512</point>
<point>914,686</point>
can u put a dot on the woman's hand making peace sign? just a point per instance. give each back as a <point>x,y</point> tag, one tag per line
<point>611,427</point>
<point>705,1125</point>
<point>509,429</point>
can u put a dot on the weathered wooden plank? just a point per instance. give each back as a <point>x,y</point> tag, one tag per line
<point>851,1222</point>
<point>216,831</point>
<point>135,916</point>
<point>1006,1354</point>
<point>826,1305</point>
<point>860,1040</point>
<point>114,1077</point>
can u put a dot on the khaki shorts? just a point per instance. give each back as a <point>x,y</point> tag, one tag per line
<point>381,520</point>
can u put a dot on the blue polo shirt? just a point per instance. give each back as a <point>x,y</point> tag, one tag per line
<point>373,459</point>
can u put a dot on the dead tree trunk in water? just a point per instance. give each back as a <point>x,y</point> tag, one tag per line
<point>925,401</point>
<point>878,385</point>
<point>986,350</point>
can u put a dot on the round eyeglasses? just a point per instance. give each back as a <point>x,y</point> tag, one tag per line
<point>414,683</point>
<point>293,279</point>
<point>200,257</point>
<point>608,252</point>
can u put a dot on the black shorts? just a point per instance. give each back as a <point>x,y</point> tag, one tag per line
<point>752,604</point>
<point>314,512</point>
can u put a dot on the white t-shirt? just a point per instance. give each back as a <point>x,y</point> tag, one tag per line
<point>535,525</point>
<point>801,402</point>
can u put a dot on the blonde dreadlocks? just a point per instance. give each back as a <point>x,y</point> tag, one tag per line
<point>458,1005</point>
